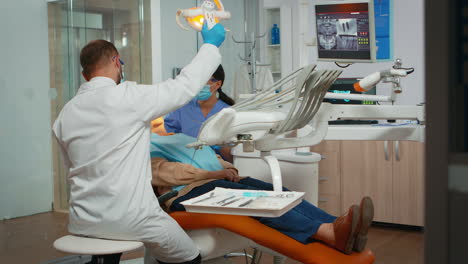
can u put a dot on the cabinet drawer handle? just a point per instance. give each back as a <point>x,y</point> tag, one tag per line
<point>397,150</point>
<point>386,150</point>
<point>323,156</point>
<point>323,179</point>
<point>323,200</point>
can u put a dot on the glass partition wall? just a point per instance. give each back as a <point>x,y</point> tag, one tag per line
<point>72,24</point>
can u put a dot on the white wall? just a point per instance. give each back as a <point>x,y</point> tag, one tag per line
<point>408,45</point>
<point>230,50</point>
<point>177,47</point>
<point>174,47</point>
<point>25,135</point>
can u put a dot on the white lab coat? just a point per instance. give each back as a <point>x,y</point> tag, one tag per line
<point>104,132</point>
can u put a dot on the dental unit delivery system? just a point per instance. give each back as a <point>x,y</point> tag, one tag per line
<point>196,16</point>
<point>393,76</point>
<point>263,121</point>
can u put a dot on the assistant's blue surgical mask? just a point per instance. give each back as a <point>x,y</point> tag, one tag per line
<point>204,94</point>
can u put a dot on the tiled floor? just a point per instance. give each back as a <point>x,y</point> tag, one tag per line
<point>28,240</point>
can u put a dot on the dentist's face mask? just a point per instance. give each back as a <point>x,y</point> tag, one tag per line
<point>121,72</point>
<point>205,93</point>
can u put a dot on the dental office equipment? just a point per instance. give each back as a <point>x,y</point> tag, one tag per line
<point>269,112</point>
<point>218,234</point>
<point>266,204</point>
<point>392,75</point>
<point>303,90</point>
<point>346,31</point>
<point>204,199</point>
<point>225,200</point>
<point>253,64</point>
<point>232,201</point>
<point>196,16</point>
<point>246,203</point>
<point>262,121</point>
<point>257,118</point>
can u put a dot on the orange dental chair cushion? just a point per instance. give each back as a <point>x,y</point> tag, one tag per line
<point>313,253</point>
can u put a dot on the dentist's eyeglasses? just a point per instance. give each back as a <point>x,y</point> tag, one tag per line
<point>120,60</point>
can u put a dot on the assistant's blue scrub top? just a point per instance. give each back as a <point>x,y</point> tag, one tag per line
<point>189,118</point>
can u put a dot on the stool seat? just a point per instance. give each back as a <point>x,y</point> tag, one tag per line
<point>94,246</point>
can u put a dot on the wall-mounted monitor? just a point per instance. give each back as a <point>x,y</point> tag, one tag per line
<point>345,31</point>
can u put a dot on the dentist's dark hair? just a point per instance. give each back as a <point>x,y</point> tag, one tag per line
<point>96,54</point>
<point>220,76</point>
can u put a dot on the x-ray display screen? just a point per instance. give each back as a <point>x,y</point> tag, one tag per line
<point>343,31</point>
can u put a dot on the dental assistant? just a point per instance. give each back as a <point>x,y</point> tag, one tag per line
<point>189,118</point>
<point>104,135</point>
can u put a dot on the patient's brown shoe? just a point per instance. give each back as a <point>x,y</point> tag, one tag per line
<point>345,228</point>
<point>367,215</point>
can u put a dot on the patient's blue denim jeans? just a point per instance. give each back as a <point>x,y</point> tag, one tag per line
<point>300,223</point>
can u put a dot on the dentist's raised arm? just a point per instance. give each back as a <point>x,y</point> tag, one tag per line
<point>156,100</point>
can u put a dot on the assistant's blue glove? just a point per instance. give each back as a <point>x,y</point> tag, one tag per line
<point>214,36</point>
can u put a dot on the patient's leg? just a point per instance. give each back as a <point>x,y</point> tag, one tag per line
<point>341,234</point>
<point>258,184</point>
<point>300,223</point>
<point>330,226</point>
<point>349,232</point>
<point>304,223</point>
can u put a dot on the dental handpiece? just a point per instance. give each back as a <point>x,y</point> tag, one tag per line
<point>371,80</point>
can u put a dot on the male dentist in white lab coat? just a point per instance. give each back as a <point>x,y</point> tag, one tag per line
<point>104,134</point>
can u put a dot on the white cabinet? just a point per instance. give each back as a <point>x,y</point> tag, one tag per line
<point>278,55</point>
<point>272,50</point>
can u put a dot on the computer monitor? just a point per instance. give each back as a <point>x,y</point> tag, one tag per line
<point>346,31</point>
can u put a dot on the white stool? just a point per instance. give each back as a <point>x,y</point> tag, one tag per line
<point>104,251</point>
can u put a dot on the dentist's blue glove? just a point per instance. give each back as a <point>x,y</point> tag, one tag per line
<point>214,36</point>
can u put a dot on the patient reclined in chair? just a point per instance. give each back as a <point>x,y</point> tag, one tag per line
<point>176,167</point>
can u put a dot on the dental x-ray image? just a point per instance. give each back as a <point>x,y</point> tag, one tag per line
<point>327,31</point>
<point>337,34</point>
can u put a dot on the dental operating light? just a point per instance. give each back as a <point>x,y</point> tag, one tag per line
<point>211,11</point>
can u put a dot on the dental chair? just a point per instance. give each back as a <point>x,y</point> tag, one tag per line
<point>263,123</point>
<point>217,235</point>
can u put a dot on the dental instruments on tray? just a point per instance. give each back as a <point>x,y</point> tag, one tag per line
<point>244,202</point>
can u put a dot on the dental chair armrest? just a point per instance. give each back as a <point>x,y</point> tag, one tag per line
<point>165,197</point>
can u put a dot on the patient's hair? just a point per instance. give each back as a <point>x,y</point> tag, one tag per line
<point>220,76</point>
<point>95,54</point>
